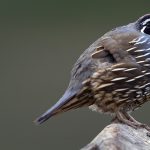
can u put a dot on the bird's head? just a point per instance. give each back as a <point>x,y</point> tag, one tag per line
<point>143,24</point>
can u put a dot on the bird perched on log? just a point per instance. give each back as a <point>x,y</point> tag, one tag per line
<point>112,75</point>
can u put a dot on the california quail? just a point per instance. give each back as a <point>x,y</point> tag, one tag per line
<point>112,75</point>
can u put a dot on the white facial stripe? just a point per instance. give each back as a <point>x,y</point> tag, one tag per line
<point>143,29</point>
<point>147,20</point>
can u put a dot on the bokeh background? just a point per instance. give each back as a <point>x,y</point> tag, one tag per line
<point>39,43</point>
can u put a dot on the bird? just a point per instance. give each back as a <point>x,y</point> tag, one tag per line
<point>111,76</point>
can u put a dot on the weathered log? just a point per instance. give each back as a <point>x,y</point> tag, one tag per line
<point>117,136</point>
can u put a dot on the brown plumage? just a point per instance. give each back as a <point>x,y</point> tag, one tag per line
<point>112,75</point>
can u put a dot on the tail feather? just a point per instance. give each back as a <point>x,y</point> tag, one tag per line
<point>57,108</point>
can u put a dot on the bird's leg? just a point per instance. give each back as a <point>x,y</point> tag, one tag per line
<point>114,119</point>
<point>129,117</point>
<point>124,117</point>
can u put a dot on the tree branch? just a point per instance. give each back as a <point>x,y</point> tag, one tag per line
<point>117,136</point>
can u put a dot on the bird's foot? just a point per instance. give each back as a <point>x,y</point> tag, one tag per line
<point>137,123</point>
<point>115,120</point>
<point>145,126</point>
<point>125,118</point>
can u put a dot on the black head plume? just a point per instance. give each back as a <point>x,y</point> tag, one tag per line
<point>143,24</point>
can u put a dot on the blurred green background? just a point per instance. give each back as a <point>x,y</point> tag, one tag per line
<point>40,41</point>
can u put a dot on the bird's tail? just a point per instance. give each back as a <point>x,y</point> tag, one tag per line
<point>57,108</point>
<point>68,101</point>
